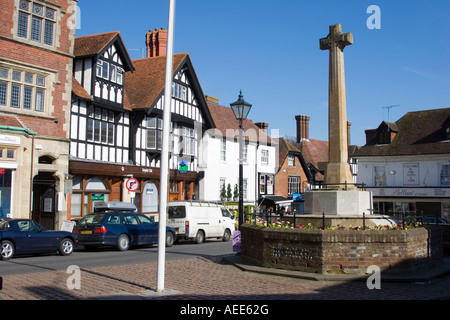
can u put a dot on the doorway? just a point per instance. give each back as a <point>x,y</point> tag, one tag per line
<point>44,199</point>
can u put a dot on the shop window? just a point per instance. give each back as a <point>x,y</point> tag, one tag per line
<point>5,192</point>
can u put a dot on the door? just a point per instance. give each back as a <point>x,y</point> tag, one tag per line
<point>149,228</point>
<point>34,239</point>
<point>150,197</point>
<point>132,224</point>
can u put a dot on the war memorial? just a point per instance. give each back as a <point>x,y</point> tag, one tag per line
<point>330,245</point>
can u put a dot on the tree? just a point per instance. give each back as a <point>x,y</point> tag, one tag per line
<point>236,192</point>
<point>223,193</point>
<point>229,195</point>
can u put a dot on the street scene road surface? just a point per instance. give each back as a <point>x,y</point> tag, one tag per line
<point>193,272</point>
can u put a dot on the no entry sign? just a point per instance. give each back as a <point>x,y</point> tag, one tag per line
<point>132,184</point>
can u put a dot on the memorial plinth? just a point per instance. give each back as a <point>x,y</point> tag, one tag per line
<point>336,202</point>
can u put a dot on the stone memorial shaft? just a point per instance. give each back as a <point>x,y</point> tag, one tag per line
<point>338,169</point>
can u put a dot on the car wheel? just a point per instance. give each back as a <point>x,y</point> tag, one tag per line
<point>7,250</point>
<point>200,237</point>
<point>226,235</point>
<point>123,242</point>
<point>66,247</point>
<point>170,239</point>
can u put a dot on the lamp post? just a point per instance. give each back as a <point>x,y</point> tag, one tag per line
<point>241,110</point>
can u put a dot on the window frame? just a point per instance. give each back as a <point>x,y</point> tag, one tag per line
<point>101,126</point>
<point>37,22</point>
<point>23,89</point>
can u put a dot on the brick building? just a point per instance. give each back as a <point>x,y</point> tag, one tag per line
<point>36,49</point>
<point>293,175</point>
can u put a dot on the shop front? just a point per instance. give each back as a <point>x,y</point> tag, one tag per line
<point>92,183</point>
<point>412,201</point>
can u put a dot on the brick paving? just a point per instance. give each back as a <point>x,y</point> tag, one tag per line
<point>205,279</point>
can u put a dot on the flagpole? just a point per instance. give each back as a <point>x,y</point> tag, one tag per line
<point>165,151</point>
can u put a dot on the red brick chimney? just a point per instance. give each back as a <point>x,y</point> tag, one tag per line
<point>156,41</point>
<point>302,127</point>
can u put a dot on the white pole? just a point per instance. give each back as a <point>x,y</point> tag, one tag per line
<point>165,151</point>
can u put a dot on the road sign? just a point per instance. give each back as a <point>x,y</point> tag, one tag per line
<point>132,184</point>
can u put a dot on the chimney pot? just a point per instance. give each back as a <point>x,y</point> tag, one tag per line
<point>302,127</point>
<point>156,41</point>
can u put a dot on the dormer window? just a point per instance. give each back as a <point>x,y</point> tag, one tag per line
<point>447,133</point>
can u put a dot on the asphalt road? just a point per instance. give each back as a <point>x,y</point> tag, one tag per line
<point>111,257</point>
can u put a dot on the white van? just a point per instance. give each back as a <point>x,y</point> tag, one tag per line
<point>200,220</point>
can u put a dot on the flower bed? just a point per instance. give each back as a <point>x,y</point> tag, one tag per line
<point>287,225</point>
<point>309,249</point>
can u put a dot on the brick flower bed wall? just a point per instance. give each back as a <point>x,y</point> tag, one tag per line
<point>342,251</point>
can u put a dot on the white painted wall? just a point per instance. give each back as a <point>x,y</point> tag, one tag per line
<point>404,171</point>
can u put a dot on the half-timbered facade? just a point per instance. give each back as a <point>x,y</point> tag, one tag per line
<point>190,118</point>
<point>100,120</point>
<point>117,122</point>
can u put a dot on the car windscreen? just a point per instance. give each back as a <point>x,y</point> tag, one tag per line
<point>92,219</point>
<point>177,212</point>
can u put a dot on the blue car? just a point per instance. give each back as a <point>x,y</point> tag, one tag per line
<point>24,236</point>
<point>119,229</point>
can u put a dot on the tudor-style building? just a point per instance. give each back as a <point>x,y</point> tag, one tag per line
<point>116,123</point>
<point>36,48</point>
<point>100,121</point>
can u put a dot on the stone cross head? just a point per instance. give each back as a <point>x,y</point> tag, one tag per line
<point>336,39</point>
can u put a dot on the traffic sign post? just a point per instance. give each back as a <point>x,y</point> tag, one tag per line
<point>132,184</point>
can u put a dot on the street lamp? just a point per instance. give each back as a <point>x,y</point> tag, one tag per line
<point>241,110</point>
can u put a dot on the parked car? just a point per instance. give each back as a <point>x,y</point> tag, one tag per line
<point>23,236</point>
<point>433,219</point>
<point>199,220</point>
<point>119,229</point>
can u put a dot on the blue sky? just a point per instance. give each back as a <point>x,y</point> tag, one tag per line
<point>270,51</point>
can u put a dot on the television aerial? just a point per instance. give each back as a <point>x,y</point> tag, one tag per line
<point>389,109</point>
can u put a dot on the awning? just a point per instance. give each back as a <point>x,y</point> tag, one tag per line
<point>274,200</point>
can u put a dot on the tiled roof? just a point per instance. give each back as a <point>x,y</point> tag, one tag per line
<point>78,90</point>
<point>227,125</point>
<point>284,147</point>
<point>421,132</point>
<point>93,44</point>
<point>315,153</point>
<point>146,83</point>
<point>10,121</point>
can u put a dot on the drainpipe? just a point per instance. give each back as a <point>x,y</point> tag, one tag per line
<point>31,177</point>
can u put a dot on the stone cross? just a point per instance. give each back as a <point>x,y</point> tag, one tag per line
<point>338,169</point>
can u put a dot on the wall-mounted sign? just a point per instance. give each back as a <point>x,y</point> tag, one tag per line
<point>183,166</point>
<point>411,174</point>
<point>98,196</point>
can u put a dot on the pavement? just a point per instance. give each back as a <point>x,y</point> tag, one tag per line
<point>224,278</point>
